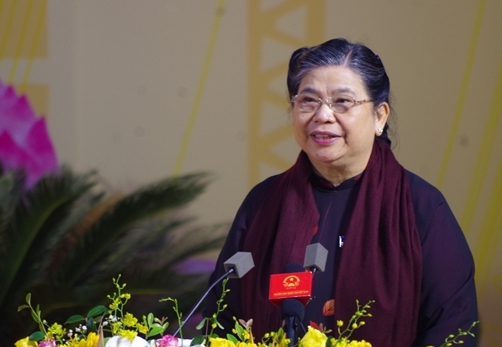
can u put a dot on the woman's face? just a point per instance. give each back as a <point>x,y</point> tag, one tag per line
<point>338,145</point>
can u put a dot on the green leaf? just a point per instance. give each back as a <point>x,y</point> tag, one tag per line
<point>239,329</point>
<point>140,205</point>
<point>198,340</point>
<point>28,298</point>
<point>35,219</point>
<point>74,319</point>
<point>91,326</point>
<point>35,317</point>
<point>96,311</point>
<point>22,307</point>
<point>156,330</point>
<point>232,338</point>
<point>201,324</point>
<point>150,319</point>
<point>37,336</point>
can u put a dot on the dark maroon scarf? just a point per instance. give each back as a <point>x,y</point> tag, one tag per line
<point>381,258</point>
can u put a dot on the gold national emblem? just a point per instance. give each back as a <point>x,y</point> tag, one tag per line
<point>291,282</point>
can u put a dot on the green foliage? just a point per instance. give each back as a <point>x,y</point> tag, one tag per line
<point>456,339</point>
<point>99,321</point>
<point>63,240</point>
<point>355,322</point>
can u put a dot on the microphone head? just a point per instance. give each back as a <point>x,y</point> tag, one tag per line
<point>315,257</point>
<point>241,262</point>
<point>292,308</point>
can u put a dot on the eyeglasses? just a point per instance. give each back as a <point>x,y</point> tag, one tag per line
<point>339,104</point>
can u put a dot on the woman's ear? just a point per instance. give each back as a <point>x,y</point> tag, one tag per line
<point>381,116</point>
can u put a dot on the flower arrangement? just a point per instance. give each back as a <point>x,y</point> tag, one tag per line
<point>89,331</point>
<point>123,329</point>
<point>242,334</point>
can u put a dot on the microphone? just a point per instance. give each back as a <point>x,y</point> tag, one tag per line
<point>235,267</point>
<point>239,264</point>
<point>293,303</point>
<point>295,282</point>
<point>315,257</point>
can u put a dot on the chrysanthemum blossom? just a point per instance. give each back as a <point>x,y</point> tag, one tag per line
<point>26,343</point>
<point>24,138</point>
<point>313,338</point>
<point>219,342</point>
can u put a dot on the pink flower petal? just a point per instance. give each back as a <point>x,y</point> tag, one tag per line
<point>24,140</point>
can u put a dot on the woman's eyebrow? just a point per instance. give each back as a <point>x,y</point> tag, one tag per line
<point>342,90</point>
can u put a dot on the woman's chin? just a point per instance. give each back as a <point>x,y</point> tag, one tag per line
<point>324,157</point>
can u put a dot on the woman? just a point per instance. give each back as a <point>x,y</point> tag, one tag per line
<point>402,246</point>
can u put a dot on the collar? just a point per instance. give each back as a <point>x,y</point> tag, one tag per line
<point>323,184</point>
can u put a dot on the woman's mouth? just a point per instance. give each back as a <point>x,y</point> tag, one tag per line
<point>323,138</point>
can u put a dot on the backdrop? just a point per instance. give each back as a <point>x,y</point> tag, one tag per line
<point>141,90</point>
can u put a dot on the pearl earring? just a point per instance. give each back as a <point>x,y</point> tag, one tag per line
<point>380,131</point>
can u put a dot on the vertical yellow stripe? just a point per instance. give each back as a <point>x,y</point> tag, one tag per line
<point>484,155</point>
<point>7,32</point>
<point>200,90</point>
<point>463,92</point>
<point>489,240</point>
<point>36,39</point>
<point>20,44</point>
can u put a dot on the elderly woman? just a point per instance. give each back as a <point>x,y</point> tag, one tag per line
<point>402,246</point>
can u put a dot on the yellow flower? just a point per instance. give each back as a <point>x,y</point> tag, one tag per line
<point>142,328</point>
<point>91,341</point>
<point>245,335</point>
<point>313,338</point>
<point>128,334</point>
<point>344,342</point>
<point>339,323</point>
<point>126,296</point>
<point>219,342</point>
<point>245,344</point>
<point>115,304</point>
<point>116,327</point>
<point>56,330</point>
<point>129,320</point>
<point>26,343</point>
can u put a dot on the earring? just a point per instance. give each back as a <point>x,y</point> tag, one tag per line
<point>380,131</point>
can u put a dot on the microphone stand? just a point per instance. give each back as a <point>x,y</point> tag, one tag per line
<point>189,315</point>
<point>293,311</point>
<point>291,330</point>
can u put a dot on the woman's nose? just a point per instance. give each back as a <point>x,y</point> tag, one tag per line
<point>324,114</point>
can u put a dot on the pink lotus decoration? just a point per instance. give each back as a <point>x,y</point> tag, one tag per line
<point>24,139</point>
